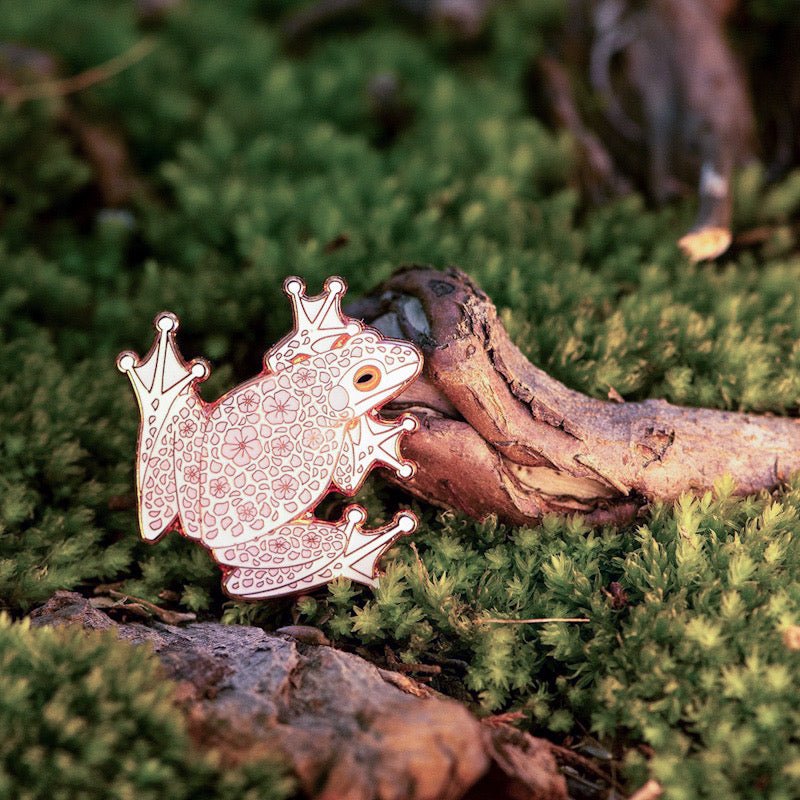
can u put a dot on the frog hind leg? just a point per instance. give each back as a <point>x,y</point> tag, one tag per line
<point>317,552</point>
<point>249,583</point>
<point>297,557</point>
<point>366,547</point>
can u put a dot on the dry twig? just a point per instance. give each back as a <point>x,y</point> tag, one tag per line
<point>14,95</point>
<point>666,81</point>
<point>650,791</point>
<point>539,621</point>
<point>144,607</point>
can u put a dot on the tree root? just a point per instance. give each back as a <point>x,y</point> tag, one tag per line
<point>667,86</point>
<point>500,436</point>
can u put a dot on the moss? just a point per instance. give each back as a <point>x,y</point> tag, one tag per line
<point>686,649</point>
<point>253,160</point>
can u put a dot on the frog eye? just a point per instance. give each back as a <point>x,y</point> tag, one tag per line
<point>366,379</point>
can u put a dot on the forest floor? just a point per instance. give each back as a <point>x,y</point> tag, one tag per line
<point>216,160</point>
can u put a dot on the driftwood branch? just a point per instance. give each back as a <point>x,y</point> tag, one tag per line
<point>500,436</point>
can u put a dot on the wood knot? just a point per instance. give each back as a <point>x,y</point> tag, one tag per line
<point>441,288</point>
<point>651,441</point>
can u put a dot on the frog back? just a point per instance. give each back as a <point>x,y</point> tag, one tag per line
<point>269,455</point>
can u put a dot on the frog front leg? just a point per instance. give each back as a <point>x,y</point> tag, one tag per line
<point>170,432</point>
<point>372,442</point>
<point>307,553</point>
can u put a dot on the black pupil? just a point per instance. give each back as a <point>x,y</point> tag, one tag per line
<point>366,377</point>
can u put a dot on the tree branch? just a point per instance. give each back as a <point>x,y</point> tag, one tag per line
<point>499,435</point>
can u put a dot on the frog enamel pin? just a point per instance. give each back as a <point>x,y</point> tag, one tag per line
<point>243,474</point>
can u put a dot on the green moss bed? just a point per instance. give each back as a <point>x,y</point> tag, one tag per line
<point>253,162</point>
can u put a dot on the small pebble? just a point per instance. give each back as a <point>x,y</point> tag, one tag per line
<point>307,634</point>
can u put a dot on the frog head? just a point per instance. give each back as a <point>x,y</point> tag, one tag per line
<point>373,371</point>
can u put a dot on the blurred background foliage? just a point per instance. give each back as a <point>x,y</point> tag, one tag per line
<point>244,160</point>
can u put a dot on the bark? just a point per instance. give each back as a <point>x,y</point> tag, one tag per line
<point>500,436</point>
<point>349,730</point>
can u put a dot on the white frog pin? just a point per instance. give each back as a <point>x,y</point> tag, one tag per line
<point>243,474</point>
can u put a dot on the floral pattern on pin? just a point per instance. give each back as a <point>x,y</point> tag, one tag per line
<point>248,402</point>
<point>281,408</point>
<point>218,487</point>
<point>285,487</point>
<point>243,475</point>
<point>241,445</point>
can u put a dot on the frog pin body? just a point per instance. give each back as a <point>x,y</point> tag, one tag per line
<point>243,474</point>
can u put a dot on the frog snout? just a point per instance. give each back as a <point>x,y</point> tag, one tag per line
<point>400,374</point>
<point>401,356</point>
<point>402,362</point>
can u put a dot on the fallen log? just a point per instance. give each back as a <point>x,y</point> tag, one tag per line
<point>346,728</point>
<point>500,436</point>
